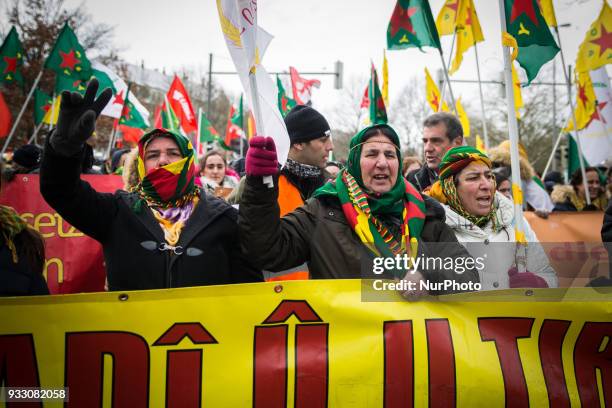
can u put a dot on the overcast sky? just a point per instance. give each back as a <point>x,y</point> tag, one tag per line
<point>310,35</point>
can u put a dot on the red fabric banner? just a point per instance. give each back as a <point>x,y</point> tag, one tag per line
<point>74,261</point>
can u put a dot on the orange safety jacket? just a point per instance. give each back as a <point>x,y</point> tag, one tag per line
<point>289,198</point>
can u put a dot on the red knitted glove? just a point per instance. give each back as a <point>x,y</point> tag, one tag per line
<point>525,279</point>
<point>261,157</point>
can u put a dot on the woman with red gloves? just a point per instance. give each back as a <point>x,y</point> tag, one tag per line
<point>369,211</point>
<point>483,220</point>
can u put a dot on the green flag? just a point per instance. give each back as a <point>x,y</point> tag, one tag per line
<point>42,104</point>
<point>536,45</point>
<point>207,132</point>
<point>169,119</point>
<point>130,116</point>
<point>11,59</point>
<point>68,57</point>
<point>573,163</point>
<point>72,84</point>
<point>285,104</point>
<point>412,25</point>
<point>378,113</point>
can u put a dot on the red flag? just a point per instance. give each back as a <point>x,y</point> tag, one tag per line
<point>181,104</point>
<point>131,134</point>
<point>233,130</point>
<point>5,117</point>
<point>302,88</point>
<point>157,119</point>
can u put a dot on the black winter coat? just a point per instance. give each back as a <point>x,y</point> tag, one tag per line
<point>422,178</point>
<point>18,279</point>
<point>207,253</point>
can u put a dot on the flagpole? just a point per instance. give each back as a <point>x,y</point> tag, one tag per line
<point>517,193</point>
<point>53,104</point>
<point>23,108</point>
<point>199,131</point>
<point>259,125</point>
<point>569,99</point>
<point>170,121</point>
<point>450,88</point>
<point>450,56</point>
<point>33,137</point>
<point>550,158</point>
<point>482,107</point>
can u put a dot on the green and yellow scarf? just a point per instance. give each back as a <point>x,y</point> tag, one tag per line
<point>362,210</point>
<point>445,190</point>
<point>171,185</point>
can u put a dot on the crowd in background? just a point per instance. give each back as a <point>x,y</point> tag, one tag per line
<point>453,192</point>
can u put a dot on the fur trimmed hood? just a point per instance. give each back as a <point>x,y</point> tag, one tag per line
<point>562,193</point>
<point>130,170</point>
<point>501,154</point>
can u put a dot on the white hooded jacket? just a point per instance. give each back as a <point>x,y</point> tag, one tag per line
<point>498,248</point>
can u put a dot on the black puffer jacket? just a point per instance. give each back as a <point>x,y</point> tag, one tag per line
<point>135,253</point>
<point>422,178</point>
<point>319,234</point>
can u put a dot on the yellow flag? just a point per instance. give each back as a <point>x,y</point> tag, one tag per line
<point>385,84</point>
<point>433,93</point>
<point>480,144</point>
<point>50,117</point>
<point>463,118</point>
<point>468,32</point>
<point>445,22</point>
<point>548,12</point>
<point>585,101</point>
<point>596,49</point>
<point>518,97</point>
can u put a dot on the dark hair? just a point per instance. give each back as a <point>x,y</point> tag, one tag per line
<point>576,178</point>
<point>452,123</point>
<point>30,245</point>
<point>209,154</point>
<point>379,130</point>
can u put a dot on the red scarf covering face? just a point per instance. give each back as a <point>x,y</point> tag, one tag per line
<point>171,185</point>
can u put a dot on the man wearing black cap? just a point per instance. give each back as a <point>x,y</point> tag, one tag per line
<point>310,138</point>
<point>311,143</point>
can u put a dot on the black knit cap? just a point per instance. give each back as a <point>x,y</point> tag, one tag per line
<point>305,123</point>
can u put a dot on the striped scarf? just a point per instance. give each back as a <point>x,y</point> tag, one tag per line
<point>363,211</point>
<point>445,190</point>
<point>171,185</point>
<point>11,224</point>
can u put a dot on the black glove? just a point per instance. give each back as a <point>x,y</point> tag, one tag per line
<point>77,118</point>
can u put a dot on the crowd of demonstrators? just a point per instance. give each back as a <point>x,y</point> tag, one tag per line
<point>572,197</point>
<point>476,213</point>
<point>441,131</point>
<point>368,208</point>
<point>22,255</point>
<point>216,177</point>
<point>166,232</point>
<point>177,223</point>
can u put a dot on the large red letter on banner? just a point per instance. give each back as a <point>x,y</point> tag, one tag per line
<point>590,356</point>
<point>85,368</point>
<point>505,332</point>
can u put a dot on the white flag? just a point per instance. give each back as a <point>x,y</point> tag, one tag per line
<point>109,79</point>
<point>247,44</point>
<point>596,137</point>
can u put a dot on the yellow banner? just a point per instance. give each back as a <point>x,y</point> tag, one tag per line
<point>311,344</point>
